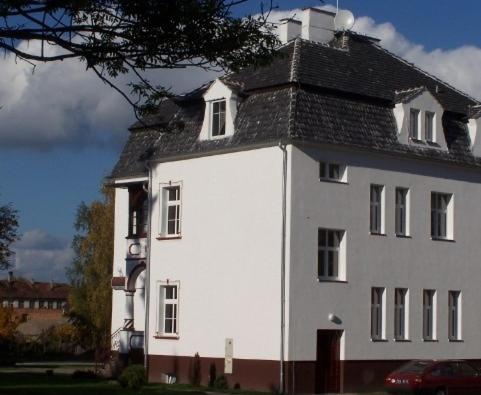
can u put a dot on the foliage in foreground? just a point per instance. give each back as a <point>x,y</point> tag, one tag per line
<point>8,234</point>
<point>91,271</point>
<point>133,377</point>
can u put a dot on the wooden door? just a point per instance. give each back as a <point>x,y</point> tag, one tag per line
<point>328,367</point>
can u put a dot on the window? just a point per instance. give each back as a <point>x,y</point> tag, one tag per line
<point>168,314</point>
<point>329,243</point>
<point>172,212</point>
<point>401,212</point>
<point>414,124</point>
<point>138,208</point>
<point>454,315</point>
<point>441,215</point>
<point>377,220</point>
<point>429,126</point>
<point>377,313</point>
<point>400,314</point>
<point>429,314</point>
<point>331,171</point>
<point>218,118</point>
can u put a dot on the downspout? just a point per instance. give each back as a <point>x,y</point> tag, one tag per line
<point>282,146</point>
<point>147,274</point>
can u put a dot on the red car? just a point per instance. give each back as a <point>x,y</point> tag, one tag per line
<point>451,377</point>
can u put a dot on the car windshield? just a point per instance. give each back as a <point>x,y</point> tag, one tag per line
<point>414,367</point>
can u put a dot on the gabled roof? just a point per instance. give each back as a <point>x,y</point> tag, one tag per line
<point>311,92</point>
<point>24,289</point>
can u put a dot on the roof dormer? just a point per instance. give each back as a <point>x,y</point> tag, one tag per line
<point>221,102</point>
<point>418,117</point>
<point>474,129</point>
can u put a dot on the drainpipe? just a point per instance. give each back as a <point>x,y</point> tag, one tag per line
<point>282,146</point>
<point>147,274</point>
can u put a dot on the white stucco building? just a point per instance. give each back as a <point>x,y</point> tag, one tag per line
<point>309,225</point>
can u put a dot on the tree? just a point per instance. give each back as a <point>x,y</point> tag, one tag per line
<point>115,37</point>
<point>91,271</point>
<point>8,234</point>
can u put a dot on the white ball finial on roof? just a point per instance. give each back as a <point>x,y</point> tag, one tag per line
<point>344,20</point>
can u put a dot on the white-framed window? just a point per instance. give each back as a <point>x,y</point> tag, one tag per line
<point>332,172</point>
<point>401,314</point>
<point>330,259</point>
<point>218,118</point>
<point>429,127</point>
<point>414,124</point>
<point>171,210</point>
<point>168,313</point>
<point>377,209</point>
<point>441,215</point>
<point>429,314</point>
<point>378,325</point>
<point>454,316</point>
<point>402,212</point>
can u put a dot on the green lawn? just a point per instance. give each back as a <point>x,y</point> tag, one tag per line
<point>41,384</point>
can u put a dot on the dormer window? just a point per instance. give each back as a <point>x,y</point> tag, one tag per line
<point>221,104</point>
<point>414,124</point>
<point>429,127</point>
<point>218,118</point>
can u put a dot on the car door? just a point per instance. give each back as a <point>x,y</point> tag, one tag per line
<point>441,375</point>
<point>467,379</point>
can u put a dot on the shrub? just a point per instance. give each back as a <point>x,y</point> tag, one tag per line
<point>84,374</point>
<point>195,376</point>
<point>133,377</point>
<point>221,383</point>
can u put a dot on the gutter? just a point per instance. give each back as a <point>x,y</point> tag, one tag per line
<point>147,274</point>
<point>282,146</point>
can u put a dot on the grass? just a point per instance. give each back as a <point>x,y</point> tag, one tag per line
<point>13,383</point>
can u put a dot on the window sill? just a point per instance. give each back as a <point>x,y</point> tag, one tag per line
<point>402,340</point>
<point>379,340</point>
<point>165,337</point>
<point>136,237</point>
<point>333,181</point>
<point>169,237</point>
<point>328,280</point>
<point>404,236</point>
<point>456,340</point>
<point>430,340</point>
<point>416,141</point>
<point>443,239</point>
<point>378,234</point>
<point>433,144</point>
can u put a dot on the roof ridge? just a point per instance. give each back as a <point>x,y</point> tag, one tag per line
<point>411,89</point>
<point>291,120</point>
<point>449,86</point>
<point>295,60</point>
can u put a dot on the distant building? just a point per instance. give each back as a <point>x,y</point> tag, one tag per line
<point>40,304</point>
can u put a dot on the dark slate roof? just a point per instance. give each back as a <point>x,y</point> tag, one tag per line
<point>475,112</point>
<point>310,93</point>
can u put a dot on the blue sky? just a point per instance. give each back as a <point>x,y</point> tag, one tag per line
<point>63,130</point>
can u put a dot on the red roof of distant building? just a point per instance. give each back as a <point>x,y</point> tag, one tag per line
<point>19,288</point>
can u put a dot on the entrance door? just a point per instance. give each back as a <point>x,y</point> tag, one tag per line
<point>328,367</point>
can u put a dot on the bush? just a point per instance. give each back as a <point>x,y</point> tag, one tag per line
<point>84,375</point>
<point>221,383</point>
<point>133,377</point>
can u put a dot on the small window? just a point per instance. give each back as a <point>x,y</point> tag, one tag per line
<point>377,314</point>
<point>328,262</point>
<point>414,124</point>
<point>401,220</point>
<point>218,118</point>
<point>441,215</point>
<point>429,314</point>
<point>171,211</point>
<point>168,310</point>
<point>331,171</point>
<point>138,209</point>
<point>429,126</point>
<point>376,209</point>
<point>400,314</point>
<point>454,315</point>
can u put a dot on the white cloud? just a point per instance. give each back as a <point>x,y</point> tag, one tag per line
<point>42,256</point>
<point>63,104</point>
